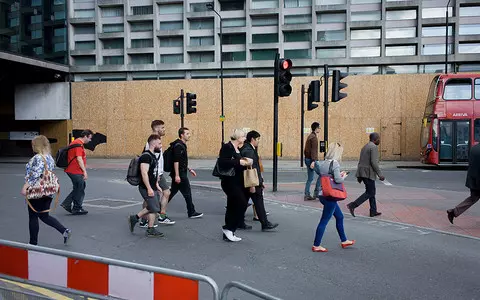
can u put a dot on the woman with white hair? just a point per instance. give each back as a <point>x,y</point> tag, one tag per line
<point>330,205</point>
<point>231,165</point>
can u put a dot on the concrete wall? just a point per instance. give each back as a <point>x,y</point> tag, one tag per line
<point>391,104</point>
<point>44,101</point>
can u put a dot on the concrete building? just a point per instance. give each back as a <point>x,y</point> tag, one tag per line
<point>175,39</point>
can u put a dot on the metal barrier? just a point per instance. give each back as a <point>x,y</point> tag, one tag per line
<point>94,275</point>
<point>248,289</point>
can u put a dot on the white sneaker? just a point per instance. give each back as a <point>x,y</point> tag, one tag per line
<point>166,220</point>
<point>236,238</point>
<point>230,235</point>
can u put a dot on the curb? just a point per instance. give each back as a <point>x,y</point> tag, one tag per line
<point>213,188</point>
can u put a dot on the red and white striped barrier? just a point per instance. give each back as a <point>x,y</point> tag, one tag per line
<point>98,275</point>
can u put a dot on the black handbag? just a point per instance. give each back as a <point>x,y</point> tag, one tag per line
<point>219,172</point>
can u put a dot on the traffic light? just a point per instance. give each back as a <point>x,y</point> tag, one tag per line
<point>313,94</point>
<point>176,107</point>
<point>284,77</point>
<point>337,85</point>
<point>191,103</point>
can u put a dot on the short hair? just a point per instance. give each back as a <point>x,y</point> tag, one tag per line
<point>182,131</point>
<point>85,133</point>
<point>334,152</point>
<point>374,136</point>
<point>153,137</point>
<point>252,135</point>
<point>156,123</point>
<point>41,145</point>
<point>236,134</point>
<point>315,126</point>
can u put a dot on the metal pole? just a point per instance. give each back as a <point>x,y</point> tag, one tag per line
<point>302,123</point>
<point>182,115</point>
<point>325,105</point>
<point>275,121</point>
<point>446,37</point>
<point>221,76</point>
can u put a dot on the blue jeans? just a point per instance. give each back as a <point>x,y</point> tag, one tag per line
<point>77,194</point>
<point>329,208</point>
<point>311,173</point>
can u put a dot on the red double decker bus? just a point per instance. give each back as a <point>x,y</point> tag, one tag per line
<point>451,122</point>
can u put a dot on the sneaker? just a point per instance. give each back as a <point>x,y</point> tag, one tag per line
<point>269,226</point>
<point>195,215</point>
<point>144,224</point>
<point>152,232</point>
<point>68,209</point>
<point>80,211</point>
<point>66,236</point>
<point>230,236</point>
<point>132,220</point>
<point>165,220</point>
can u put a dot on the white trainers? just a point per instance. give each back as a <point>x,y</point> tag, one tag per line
<point>230,236</point>
<point>166,220</point>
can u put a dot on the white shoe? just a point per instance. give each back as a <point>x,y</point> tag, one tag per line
<point>236,238</point>
<point>230,236</point>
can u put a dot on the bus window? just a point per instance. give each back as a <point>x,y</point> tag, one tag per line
<point>477,88</point>
<point>425,132</point>
<point>435,134</point>
<point>458,89</point>
<point>431,97</point>
<point>476,130</point>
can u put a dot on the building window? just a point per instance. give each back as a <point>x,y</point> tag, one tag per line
<point>201,41</point>
<point>59,15</point>
<point>469,68</point>
<point>401,14</point>
<point>112,28</point>
<point>142,43</point>
<point>199,7</point>
<point>436,49</point>
<point>234,39</point>
<point>171,41</point>
<point>113,44</point>
<point>364,70</point>
<point>201,24</point>
<point>469,48</point>
<point>400,50</point>
<point>365,16</point>
<point>265,54</point>
<point>36,19</point>
<point>398,33</point>
<point>469,29</point>
<point>477,88</point>
<point>365,34</point>
<point>84,29</point>
<point>436,12</point>
<point>298,19</point>
<point>36,3</point>
<point>331,18</point>
<point>297,36</point>
<point>37,34</point>
<point>60,32</point>
<point>297,3</point>
<point>331,35</point>
<point>299,54</point>
<point>171,59</point>
<point>84,13</point>
<point>401,69</point>
<point>265,21</point>
<point>87,45</point>
<point>141,59</point>
<point>259,4</point>
<point>330,2</point>
<point>113,60</point>
<point>142,10</point>
<point>59,47</point>
<point>112,11</point>
<point>84,60</point>
<point>141,26</point>
<point>458,89</point>
<point>435,31</point>
<point>174,25</point>
<point>331,52</point>
<point>265,38</point>
<point>427,69</point>
<point>364,1</point>
<point>202,57</point>
<point>235,56</point>
<point>476,125</point>
<point>364,51</point>
<point>232,5</point>
<point>170,9</point>
<point>469,11</point>
<point>239,22</point>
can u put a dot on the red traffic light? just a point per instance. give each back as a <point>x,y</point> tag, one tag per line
<point>285,64</point>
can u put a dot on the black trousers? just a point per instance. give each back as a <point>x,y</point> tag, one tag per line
<point>186,190</point>
<point>236,204</point>
<point>257,199</point>
<point>369,194</point>
<point>465,204</point>
<point>33,226</point>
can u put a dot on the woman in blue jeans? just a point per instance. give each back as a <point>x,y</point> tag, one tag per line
<point>330,207</point>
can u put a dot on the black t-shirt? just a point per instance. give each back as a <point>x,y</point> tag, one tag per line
<point>149,158</point>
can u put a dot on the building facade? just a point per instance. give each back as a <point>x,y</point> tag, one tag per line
<point>175,39</point>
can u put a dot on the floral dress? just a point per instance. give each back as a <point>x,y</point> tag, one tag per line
<point>36,166</point>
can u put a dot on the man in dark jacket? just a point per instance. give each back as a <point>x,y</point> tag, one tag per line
<point>249,150</point>
<point>472,182</point>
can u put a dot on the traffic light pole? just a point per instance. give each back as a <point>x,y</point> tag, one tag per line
<point>325,105</point>
<point>302,124</point>
<point>275,122</point>
<point>182,112</point>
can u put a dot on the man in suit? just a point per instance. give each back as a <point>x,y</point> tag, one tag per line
<point>472,182</point>
<point>367,172</point>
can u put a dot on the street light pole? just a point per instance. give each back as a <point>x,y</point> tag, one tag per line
<point>446,37</point>
<point>222,116</point>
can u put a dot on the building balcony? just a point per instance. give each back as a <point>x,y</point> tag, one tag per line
<point>105,3</point>
<point>111,35</point>
<point>82,52</point>
<point>140,50</point>
<point>82,21</point>
<point>201,48</point>
<point>161,33</point>
<point>136,18</point>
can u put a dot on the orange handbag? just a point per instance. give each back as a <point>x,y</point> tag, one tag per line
<point>331,189</point>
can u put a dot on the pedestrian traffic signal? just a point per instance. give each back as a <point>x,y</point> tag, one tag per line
<point>337,85</point>
<point>191,103</point>
<point>284,77</point>
<point>313,94</point>
<point>176,107</point>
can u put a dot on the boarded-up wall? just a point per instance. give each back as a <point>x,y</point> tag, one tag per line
<point>391,104</point>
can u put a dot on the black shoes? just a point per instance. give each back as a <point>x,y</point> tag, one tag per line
<point>450,215</point>
<point>375,214</point>
<point>351,209</point>
<point>132,221</point>
<point>269,226</point>
<point>80,211</point>
<point>195,215</point>
<point>68,209</point>
<point>245,227</point>
<point>152,232</point>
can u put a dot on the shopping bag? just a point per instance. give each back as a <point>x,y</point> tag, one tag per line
<point>250,177</point>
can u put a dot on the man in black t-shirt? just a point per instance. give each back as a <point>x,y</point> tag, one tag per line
<point>148,187</point>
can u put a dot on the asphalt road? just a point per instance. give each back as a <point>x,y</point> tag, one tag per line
<point>388,262</point>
